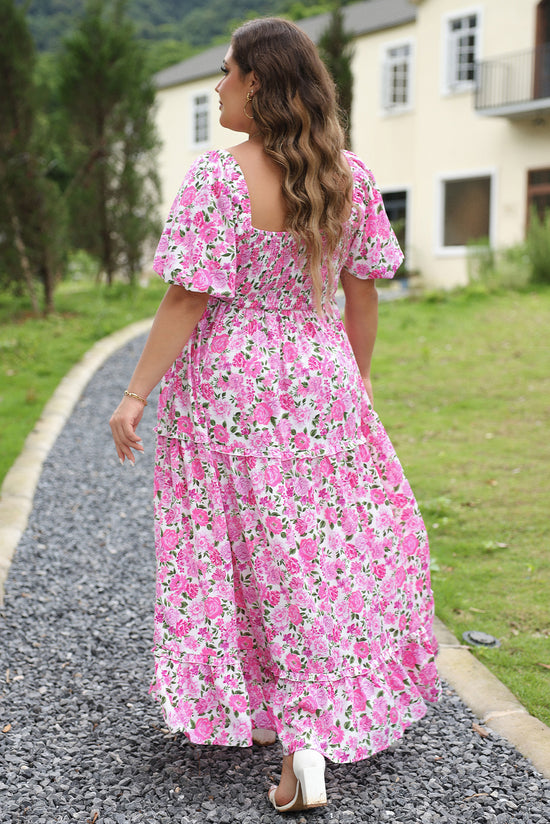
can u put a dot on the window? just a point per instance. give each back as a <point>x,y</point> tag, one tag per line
<point>395,204</point>
<point>200,120</point>
<point>466,212</point>
<point>462,47</point>
<point>397,71</point>
<point>538,192</point>
<point>542,56</point>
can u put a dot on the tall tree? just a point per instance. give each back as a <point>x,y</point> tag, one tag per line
<point>337,53</point>
<point>31,231</point>
<point>108,99</point>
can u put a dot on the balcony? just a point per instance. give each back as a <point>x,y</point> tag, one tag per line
<point>515,85</point>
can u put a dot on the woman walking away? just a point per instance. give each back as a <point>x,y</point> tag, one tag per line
<point>293,589</point>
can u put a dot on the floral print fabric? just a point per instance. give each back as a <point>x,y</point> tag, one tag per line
<point>293,569</point>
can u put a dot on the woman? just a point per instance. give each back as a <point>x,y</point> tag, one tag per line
<point>293,587</point>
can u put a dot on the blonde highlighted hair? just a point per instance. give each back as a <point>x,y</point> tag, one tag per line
<point>296,113</point>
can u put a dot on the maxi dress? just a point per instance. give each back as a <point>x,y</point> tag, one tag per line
<point>293,589</point>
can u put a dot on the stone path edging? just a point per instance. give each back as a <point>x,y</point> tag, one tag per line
<point>487,697</point>
<point>491,701</point>
<point>17,493</point>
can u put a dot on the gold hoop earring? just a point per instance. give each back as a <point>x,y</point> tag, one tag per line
<point>249,97</point>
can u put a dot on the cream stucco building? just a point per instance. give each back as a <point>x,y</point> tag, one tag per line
<point>451,110</point>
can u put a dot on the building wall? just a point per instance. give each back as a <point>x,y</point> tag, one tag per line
<point>439,137</point>
<point>173,119</point>
<point>442,136</point>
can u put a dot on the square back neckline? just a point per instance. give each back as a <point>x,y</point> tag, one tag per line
<point>282,233</point>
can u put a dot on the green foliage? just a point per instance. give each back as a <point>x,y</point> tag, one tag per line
<point>110,142</point>
<point>36,353</point>
<point>51,20</point>
<point>172,22</point>
<point>336,51</point>
<point>537,245</point>
<point>161,54</point>
<point>514,266</point>
<point>299,10</point>
<point>493,270</point>
<point>481,259</point>
<point>462,387</point>
<point>215,19</point>
<point>31,213</point>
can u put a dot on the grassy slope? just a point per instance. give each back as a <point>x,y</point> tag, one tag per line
<point>36,353</point>
<point>462,386</point>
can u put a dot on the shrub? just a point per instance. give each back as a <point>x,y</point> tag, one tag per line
<point>538,246</point>
<point>498,269</point>
<point>481,260</point>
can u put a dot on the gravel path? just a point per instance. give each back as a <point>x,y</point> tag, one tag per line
<point>80,738</point>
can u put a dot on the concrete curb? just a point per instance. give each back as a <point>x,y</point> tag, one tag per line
<point>493,703</point>
<point>17,493</point>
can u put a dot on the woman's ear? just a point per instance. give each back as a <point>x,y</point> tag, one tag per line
<point>254,82</point>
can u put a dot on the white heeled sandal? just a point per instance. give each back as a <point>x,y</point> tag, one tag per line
<point>309,769</point>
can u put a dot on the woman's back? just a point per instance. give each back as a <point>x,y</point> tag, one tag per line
<point>264,373</point>
<point>263,181</point>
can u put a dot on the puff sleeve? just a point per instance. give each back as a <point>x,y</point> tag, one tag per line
<point>374,251</point>
<point>197,246</point>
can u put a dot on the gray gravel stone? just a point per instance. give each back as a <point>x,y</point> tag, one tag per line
<point>75,664</point>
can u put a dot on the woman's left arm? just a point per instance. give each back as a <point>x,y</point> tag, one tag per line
<point>175,320</point>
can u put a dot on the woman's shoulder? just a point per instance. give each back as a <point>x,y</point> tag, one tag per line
<point>358,167</point>
<point>210,175</point>
<point>210,164</point>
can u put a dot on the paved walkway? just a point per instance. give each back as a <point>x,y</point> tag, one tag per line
<point>80,739</point>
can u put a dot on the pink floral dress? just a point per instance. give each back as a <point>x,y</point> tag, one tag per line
<point>293,586</point>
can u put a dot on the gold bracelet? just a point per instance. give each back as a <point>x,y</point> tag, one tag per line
<point>137,397</point>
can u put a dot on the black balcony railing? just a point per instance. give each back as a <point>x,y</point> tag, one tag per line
<point>514,83</point>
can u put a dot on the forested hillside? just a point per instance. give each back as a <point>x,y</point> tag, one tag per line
<point>188,22</point>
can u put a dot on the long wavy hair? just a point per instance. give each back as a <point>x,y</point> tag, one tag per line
<point>296,114</point>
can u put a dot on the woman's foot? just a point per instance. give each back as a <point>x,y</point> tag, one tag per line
<point>286,790</point>
<point>264,737</point>
<point>302,783</point>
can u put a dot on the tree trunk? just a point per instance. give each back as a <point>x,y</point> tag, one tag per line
<point>24,260</point>
<point>106,240</point>
<point>49,279</point>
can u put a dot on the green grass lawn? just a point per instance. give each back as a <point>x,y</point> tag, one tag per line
<point>463,387</point>
<point>462,384</point>
<point>35,353</point>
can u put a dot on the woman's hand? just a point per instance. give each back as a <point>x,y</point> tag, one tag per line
<point>123,423</point>
<point>175,320</point>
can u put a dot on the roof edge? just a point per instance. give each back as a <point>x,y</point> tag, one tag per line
<point>366,17</point>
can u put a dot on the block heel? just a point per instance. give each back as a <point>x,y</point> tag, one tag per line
<point>309,769</point>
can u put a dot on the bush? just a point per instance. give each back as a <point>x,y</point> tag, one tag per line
<point>480,261</point>
<point>538,246</point>
<point>498,269</point>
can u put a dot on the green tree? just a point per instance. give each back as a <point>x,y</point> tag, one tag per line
<point>108,96</point>
<point>31,213</point>
<point>336,51</point>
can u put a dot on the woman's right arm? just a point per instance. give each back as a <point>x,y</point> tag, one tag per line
<point>175,320</point>
<point>361,322</point>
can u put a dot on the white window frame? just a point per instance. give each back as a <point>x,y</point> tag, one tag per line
<point>451,85</point>
<point>388,107</point>
<point>196,108</point>
<point>460,251</point>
